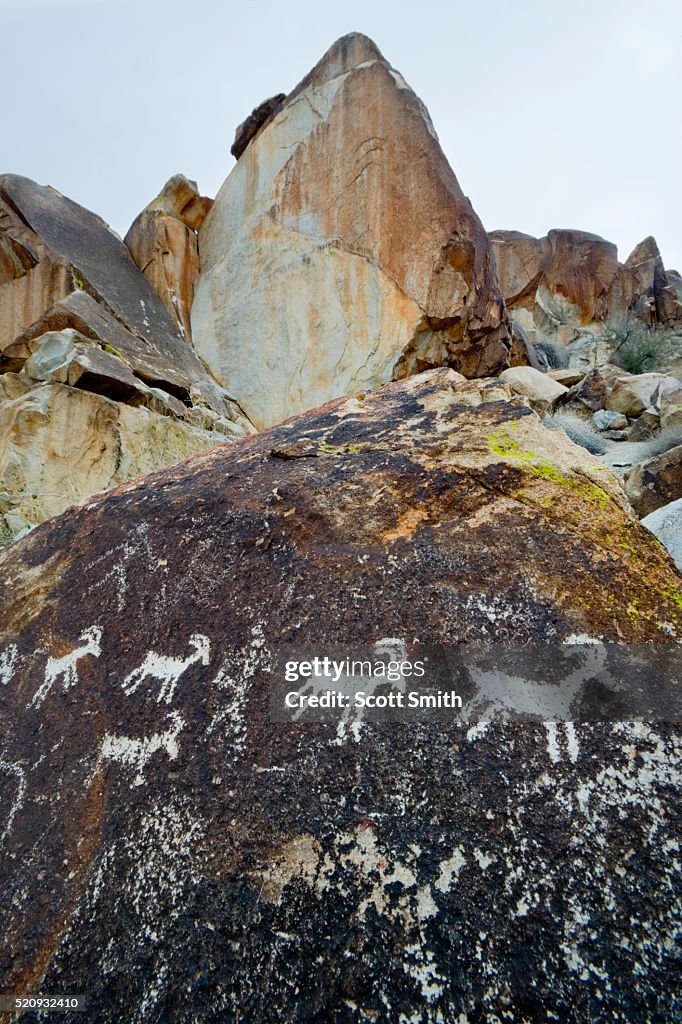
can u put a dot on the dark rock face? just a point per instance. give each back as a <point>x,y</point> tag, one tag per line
<point>169,850</point>
<point>256,120</point>
<point>655,482</point>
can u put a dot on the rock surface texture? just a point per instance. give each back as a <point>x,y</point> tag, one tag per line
<point>76,312</point>
<point>171,851</point>
<point>569,283</point>
<point>163,243</point>
<point>341,252</point>
<point>666,524</point>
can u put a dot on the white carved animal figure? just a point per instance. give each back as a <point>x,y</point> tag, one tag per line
<point>8,660</point>
<point>66,666</point>
<point>167,669</point>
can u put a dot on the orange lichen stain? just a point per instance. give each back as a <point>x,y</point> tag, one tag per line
<point>406,526</point>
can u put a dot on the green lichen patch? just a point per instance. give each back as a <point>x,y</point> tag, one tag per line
<point>341,449</point>
<point>503,444</point>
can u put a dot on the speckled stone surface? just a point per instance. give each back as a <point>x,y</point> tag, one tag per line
<point>173,853</point>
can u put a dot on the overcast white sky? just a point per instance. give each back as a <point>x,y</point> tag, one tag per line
<point>553,113</point>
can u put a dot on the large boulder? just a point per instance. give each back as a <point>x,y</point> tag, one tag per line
<point>171,849</point>
<point>68,255</point>
<point>666,524</point>
<point>163,243</point>
<point>539,388</point>
<point>341,252</point>
<point>559,282</point>
<point>60,444</point>
<point>655,482</point>
<point>632,394</point>
<point>76,311</point>
<point>670,404</point>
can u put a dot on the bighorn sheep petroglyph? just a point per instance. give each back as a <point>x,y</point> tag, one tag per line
<point>65,666</point>
<point>167,669</point>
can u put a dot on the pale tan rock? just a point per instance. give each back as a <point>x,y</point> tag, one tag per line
<point>341,252</point>
<point>670,403</point>
<point>538,387</point>
<point>646,425</point>
<point>163,243</point>
<point>60,444</point>
<point>180,198</point>
<point>567,377</point>
<point>632,394</point>
<point>167,253</point>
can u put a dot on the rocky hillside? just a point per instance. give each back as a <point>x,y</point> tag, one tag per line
<point>325,410</point>
<point>569,288</point>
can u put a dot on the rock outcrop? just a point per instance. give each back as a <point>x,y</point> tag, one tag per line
<point>655,482</point>
<point>256,120</point>
<point>163,243</point>
<point>60,444</point>
<point>569,283</point>
<point>173,851</point>
<point>666,524</point>
<point>539,388</point>
<point>103,386</point>
<point>341,252</point>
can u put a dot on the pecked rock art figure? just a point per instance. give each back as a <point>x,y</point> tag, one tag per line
<point>195,859</point>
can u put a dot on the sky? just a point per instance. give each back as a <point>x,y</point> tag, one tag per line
<point>553,113</point>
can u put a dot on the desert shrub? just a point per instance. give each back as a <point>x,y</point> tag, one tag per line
<point>641,348</point>
<point>550,355</point>
<point>579,430</point>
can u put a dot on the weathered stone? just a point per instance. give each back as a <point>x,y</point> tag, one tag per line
<point>520,260</point>
<point>666,524</point>
<point>73,252</point>
<point>80,312</point>
<point>172,851</point>
<point>522,351</point>
<point>604,419</point>
<point>577,276</point>
<point>670,403</point>
<point>646,425</point>
<point>167,252</point>
<point>570,285</point>
<point>567,377</point>
<point>60,445</point>
<point>655,482</point>
<point>538,387</point>
<point>341,252</point>
<point>180,198</point>
<point>588,396</point>
<point>589,351</point>
<point>256,120</point>
<point>631,395</point>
